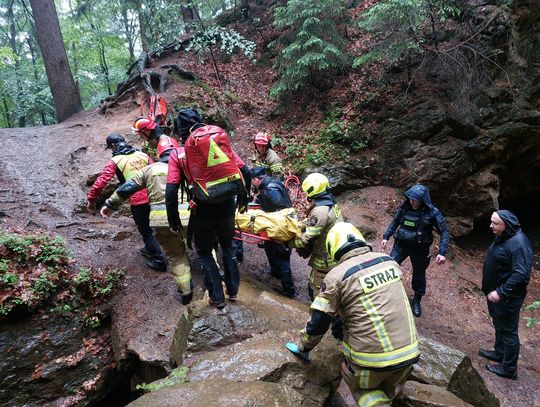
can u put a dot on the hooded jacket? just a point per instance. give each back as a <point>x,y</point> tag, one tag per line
<point>430,217</point>
<point>508,262</point>
<point>273,195</point>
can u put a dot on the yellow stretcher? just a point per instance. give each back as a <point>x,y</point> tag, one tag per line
<point>256,226</point>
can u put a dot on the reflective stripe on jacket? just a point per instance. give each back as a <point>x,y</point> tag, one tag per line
<point>366,290</point>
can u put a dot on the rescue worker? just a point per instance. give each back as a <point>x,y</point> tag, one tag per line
<point>323,214</point>
<point>125,162</point>
<point>150,133</point>
<point>378,332</point>
<point>154,177</point>
<point>412,228</point>
<point>265,156</point>
<point>273,196</point>
<point>208,222</point>
<point>506,273</point>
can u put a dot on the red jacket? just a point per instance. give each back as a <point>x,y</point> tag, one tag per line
<point>112,168</point>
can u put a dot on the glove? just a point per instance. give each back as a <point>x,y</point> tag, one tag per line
<point>242,202</point>
<point>337,328</point>
<point>293,347</point>
<point>303,252</point>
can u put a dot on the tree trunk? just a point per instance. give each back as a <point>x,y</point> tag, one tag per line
<point>30,42</point>
<point>7,116</point>
<point>13,43</point>
<point>188,15</point>
<point>128,33</point>
<point>142,29</point>
<point>66,96</point>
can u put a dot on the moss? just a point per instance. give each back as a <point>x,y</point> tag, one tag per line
<point>177,376</point>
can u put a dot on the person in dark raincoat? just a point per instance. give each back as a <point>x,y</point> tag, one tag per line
<point>506,273</point>
<point>412,228</point>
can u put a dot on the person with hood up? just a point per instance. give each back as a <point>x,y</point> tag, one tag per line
<point>273,196</point>
<point>125,162</point>
<point>154,178</point>
<point>412,228</point>
<point>323,214</point>
<point>506,273</point>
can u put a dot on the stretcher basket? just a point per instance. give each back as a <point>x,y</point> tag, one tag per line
<point>256,226</point>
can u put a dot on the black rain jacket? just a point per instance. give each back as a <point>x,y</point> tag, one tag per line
<point>508,262</point>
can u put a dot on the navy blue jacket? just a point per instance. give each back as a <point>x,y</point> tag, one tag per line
<point>273,195</point>
<point>508,262</point>
<point>432,218</point>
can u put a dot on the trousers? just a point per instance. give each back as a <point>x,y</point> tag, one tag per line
<point>141,216</point>
<point>420,258</point>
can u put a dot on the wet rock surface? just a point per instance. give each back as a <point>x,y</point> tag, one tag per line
<point>221,392</point>
<point>415,394</point>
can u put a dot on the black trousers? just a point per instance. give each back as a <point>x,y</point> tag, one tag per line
<point>141,216</point>
<point>420,259</point>
<point>505,315</point>
<point>279,257</point>
<point>211,222</point>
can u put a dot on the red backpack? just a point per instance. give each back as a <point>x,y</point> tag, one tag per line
<point>211,168</point>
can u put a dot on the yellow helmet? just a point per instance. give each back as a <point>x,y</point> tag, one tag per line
<point>341,238</point>
<point>314,184</point>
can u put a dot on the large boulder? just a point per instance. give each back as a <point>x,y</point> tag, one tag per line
<point>221,392</point>
<point>446,367</point>
<point>245,343</point>
<point>414,394</point>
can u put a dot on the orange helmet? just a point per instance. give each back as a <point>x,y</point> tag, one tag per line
<point>262,138</point>
<point>166,143</point>
<point>144,123</point>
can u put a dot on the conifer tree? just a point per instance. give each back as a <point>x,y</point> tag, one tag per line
<point>312,44</point>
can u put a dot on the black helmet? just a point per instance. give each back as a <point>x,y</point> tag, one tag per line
<point>185,120</point>
<point>114,138</point>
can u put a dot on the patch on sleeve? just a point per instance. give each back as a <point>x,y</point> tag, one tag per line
<point>323,287</point>
<point>313,220</point>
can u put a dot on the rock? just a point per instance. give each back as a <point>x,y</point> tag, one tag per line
<point>256,311</point>
<point>221,392</point>
<point>450,368</point>
<point>459,226</point>
<point>414,394</point>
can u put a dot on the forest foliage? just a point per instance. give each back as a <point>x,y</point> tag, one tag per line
<point>311,44</point>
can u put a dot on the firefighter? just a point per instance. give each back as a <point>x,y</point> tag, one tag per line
<point>125,162</point>
<point>377,329</point>
<point>412,228</point>
<point>265,156</point>
<point>323,214</point>
<point>154,177</point>
<point>150,133</point>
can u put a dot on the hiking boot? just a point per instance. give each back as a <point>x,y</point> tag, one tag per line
<point>501,371</point>
<point>232,297</point>
<point>491,355</point>
<point>143,252</point>
<point>218,305</point>
<point>186,298</point>
<point>416,308</point>
<point>289,294</point>
<point>157,265</point>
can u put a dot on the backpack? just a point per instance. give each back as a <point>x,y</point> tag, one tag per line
<point>211,168</point>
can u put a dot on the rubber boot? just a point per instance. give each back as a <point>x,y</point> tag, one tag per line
<point>416,308</point>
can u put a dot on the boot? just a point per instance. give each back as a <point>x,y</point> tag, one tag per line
<point>416,308</point>
<point>158,265</point>
<point>501,371</point>
<point>491,355</point>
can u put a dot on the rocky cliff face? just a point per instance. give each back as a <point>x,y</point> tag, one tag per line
<point>474,158</point>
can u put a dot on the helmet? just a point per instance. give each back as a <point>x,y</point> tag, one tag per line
<point>144,123</point>
<point>314,184</point>
<point>262,138</point>
<point>166,143</point>
<point>114,138</point>
<point>342,238</point>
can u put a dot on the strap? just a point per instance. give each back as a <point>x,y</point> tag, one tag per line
<point>365,265</point>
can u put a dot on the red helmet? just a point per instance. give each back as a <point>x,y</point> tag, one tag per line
<point>262,138</point>
<point>166,143</point>
<point>144,123</point>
